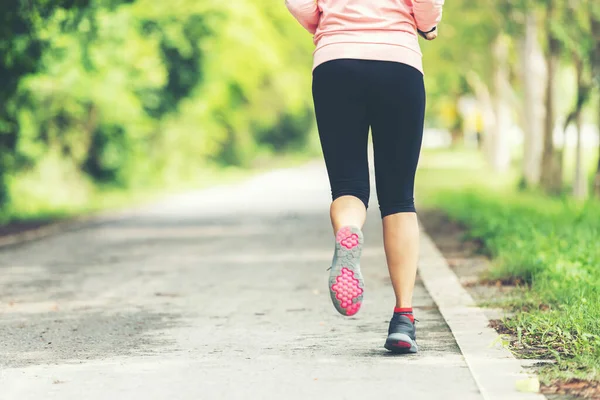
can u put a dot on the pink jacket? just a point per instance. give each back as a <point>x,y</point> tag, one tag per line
<point>383,30</point>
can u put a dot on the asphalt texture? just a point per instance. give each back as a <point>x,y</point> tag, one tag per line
<point>217,294</point>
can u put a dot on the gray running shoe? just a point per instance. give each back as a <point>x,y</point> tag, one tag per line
<point>346,285</point>
<point>402,336</point>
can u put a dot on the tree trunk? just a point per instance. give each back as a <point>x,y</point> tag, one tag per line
<point>487,119</point>
<point>3,182</point>
<point>580,183</point>
<point>597,177</point>
<point>498,146</point>
<point>551,176</point>
<point>595,24</point>
<point>533,108</point>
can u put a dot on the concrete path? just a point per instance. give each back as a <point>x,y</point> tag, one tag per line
<point>220,294</point>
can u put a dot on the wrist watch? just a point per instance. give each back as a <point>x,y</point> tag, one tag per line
<point>425,33</point>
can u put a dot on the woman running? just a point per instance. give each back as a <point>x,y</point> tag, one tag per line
<point>367,73</point>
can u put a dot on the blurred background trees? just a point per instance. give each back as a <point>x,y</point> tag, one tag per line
<point>143,93</point>
<point>532,68</point>
<point>137,93</point>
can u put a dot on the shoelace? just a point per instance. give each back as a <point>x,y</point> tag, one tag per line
<point>416,320</point>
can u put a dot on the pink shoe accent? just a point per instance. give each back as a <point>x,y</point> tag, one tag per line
<point>347,238</point>
<point>402,344</point>
<point>347,289</point>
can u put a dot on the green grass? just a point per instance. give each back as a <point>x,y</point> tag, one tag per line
<point>551,244</point>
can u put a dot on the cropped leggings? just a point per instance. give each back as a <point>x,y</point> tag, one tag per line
<point>351,96</point>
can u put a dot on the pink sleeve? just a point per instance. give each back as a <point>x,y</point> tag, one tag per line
<point>306,12</point>
<point>428,13</point>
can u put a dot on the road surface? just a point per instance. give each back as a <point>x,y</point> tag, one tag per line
<point>219,294</point>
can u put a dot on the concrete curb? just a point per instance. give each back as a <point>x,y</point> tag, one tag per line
<point>495,370</point>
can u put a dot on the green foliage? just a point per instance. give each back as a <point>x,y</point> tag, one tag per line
<point>551,245</point>
<point>462,56</point>
<point>139,93</point>
<point>20,52</point>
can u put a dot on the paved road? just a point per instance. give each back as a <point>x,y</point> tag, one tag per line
<point>219,294</point>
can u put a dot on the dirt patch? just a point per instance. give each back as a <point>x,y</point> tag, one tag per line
<point>574,387</point>
<point>449,236</point>
<point>558,390</point>
<point>14,228</point>
<point>469,259</point>
<point>519,348</point>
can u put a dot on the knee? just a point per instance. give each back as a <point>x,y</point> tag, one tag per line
<point>356,189</point>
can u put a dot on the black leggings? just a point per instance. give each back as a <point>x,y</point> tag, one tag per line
<point>352,95</point>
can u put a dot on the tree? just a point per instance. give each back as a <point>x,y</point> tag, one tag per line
<point>142,93</point>
<point>21,48</point>
<point>462,56</point>
<point>497,144</point>
<point>577,41</point>
<point>580,182</point>
<point>532,75</point>
<point>594,16</point>
<point>551,176</point>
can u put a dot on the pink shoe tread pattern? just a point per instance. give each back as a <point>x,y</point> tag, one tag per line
<point>347,238</point>
<point>347,289</point>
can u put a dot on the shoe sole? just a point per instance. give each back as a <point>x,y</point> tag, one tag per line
<point>346,285</point>
<point>401,344</point>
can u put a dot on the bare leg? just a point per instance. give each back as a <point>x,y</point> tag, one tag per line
<point>401,241</point>
<point>347,211</point>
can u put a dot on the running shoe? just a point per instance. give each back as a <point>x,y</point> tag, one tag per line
<point>402,336</point>
<point>346,285</point>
